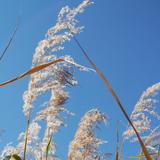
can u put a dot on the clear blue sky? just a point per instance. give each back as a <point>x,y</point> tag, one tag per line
<point>121,36</point>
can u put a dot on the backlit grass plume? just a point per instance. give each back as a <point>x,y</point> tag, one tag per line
<point>144,111</point>
<point>85,143</point>
<point>59,74</point>
<point>145,117</point>
<point>53,79</point>
<point>52,75</point>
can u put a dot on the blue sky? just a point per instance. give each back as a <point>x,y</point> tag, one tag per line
<point>121,36</point>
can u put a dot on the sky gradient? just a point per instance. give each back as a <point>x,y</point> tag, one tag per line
<point>121,36</point>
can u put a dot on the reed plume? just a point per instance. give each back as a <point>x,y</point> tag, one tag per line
<point>53,79</point>
<point>85,143</point>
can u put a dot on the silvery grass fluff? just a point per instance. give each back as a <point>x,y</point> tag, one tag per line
<point>146,109</point>
<point>53,79</point>
<point>85,143</point>
<point>152,142</point>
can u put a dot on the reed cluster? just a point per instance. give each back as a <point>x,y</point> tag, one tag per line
<point>53,74</point>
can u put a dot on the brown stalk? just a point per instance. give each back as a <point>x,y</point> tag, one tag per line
<point>9,42</point>
<point>148,157</point>
<point>117,153</point>
<point>117,145</point>
<point>31,71</point>
<point>26,138</point>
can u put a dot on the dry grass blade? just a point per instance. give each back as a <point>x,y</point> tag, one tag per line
<point>117,145</point>
<point>116,98</point>
<point>31,71</point>
<point>117,154</point>
<point>9,42</point>
<point>26,139</point>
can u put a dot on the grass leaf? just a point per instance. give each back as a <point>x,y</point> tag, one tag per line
<point>117,145</point>
<point>48,147</point>
<point>31,71</point>
<point>12,157</point>
<point>115,97</point>
<point>9,42</point>
<point>26,139</point>
<point>15,157</point>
